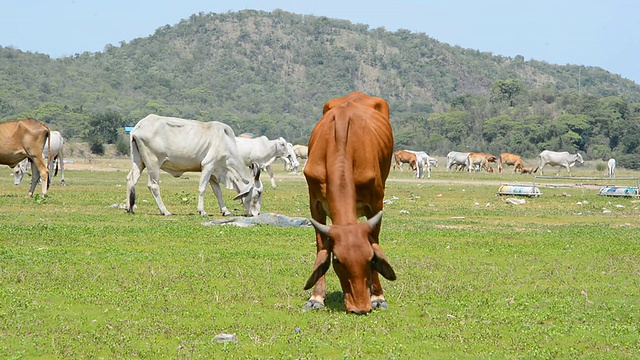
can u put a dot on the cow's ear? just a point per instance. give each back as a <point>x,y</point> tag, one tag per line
<point>323,261</point>
<point>243,193</point>
<point>380,263</point>
<point>255,170</point>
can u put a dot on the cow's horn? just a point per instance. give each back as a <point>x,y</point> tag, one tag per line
<point>321,228</point>
<point>375,220</point>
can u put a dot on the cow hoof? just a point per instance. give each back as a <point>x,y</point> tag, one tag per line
<point>313,304</point>
<point>202,213</point>
<point>226,213</point>
<point>380,304</point>
<point>167,214</point>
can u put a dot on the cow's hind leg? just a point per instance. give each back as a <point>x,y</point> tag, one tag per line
<point>153,168</point>
<point>137,165</point>
<point>43,172</point>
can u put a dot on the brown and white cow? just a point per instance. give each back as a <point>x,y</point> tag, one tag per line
<point>404,157</point>
<point>350,152</point>
<point>22,139</point>
<point>511,160</point>
<point>481,160</point>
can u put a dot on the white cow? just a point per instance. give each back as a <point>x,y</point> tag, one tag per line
<point>56,154</point>
<point>611,167</point>
<point>263,152</point>
<point>177,146</point>
<point>458,158</point>
<point>554,158</point>
<point>423,159</point>
<point>302,152</point>
<point>289,164</point>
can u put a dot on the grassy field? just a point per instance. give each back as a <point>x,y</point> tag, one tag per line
<point>478,277</point>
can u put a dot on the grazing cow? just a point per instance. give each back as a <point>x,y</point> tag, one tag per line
<point>55,144</point>
<point>481,160</point>
<point>22,139</point>
<point>559,159</point>
<point>290,165</point>
<point>177,146</point>
<point>511,160</point>
<point>404,157</point>
<point>350,153</point>
<point>423,160</point>
<point>262,151</point>
<point>458,158</point>
<point>611,167</point>
<point>528,170</point>
<point>301,151</point>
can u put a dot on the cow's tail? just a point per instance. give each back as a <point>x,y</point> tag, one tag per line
<point>55,173</point>
<point>132,190</point>
<point>47,139</point>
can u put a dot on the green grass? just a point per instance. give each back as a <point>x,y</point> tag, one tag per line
<point>547,279</point>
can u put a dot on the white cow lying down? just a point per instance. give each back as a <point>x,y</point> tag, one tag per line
<point>178,146</point>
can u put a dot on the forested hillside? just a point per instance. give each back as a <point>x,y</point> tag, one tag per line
<point>269,73</point>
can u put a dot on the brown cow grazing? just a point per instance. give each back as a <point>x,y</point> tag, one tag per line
<point>22,139</point>
<point>528,170</point>
<point>404,157</point>
<point>481,160</point>
<point>512,160</point>
<point>350,152</point>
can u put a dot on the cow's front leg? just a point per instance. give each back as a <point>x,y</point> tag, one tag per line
<point>377,297</point>
<point>202,187</point>
<point>215,186</point>
<point>316,301</point>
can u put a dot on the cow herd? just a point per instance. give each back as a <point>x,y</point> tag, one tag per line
<point>475,161</point>
<point>349,157</point>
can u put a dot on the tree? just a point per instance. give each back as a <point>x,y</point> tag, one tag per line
<point>103,128</point>
<point>506,90</point>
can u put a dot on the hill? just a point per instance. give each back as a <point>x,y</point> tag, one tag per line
<point>270,73</point>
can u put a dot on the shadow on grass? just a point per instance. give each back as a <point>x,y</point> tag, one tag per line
<point>334,301</point>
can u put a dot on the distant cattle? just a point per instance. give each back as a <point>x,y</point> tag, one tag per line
<point>178,146</point>
<point>510,160</point>
<point>479,161</point>
<point>22,139</point>
<point>262,151</point>
<point>56,158</point>
<point>611,167</point>
<point>350,152</point>
<point>560,159</point>
<point>528,170</point>
<point>458,158</point>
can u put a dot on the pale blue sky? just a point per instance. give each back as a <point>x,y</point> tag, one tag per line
<point>604,33</point>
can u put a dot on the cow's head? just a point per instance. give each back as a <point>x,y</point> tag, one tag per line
<point>355,256</point>
<point>19,170</point>
<point>579,158</point>
<point>252,196</point>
